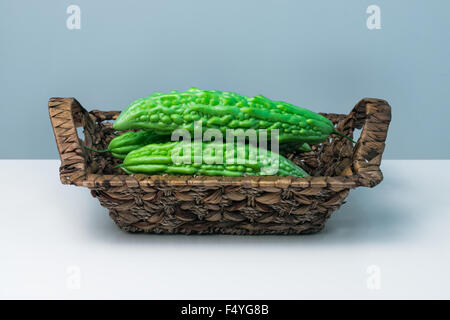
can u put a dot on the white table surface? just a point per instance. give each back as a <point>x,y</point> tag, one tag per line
<point>392,241</point>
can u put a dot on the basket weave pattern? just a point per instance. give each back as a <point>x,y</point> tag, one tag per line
<point>230,205</point>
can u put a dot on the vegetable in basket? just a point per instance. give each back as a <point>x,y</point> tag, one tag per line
<point>210,159</point>
<point>165,112</point>
<point>121,145</point>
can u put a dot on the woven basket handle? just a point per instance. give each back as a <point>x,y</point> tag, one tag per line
<point>66,114</point>
<point>373,116</point>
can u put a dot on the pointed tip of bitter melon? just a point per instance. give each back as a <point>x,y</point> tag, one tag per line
<point>305,147</point>
<point>121,166</point>
<point>119,122</point>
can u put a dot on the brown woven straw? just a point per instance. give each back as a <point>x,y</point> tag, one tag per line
<point>231,205</point>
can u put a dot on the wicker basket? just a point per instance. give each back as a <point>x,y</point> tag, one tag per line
<point>230,205</point>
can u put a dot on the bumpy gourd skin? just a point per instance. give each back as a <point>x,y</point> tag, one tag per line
<point>157,159</point>
<point>164,113</point>
<point>121,145</point>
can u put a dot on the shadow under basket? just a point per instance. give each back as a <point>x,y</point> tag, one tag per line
<point>229,205</point>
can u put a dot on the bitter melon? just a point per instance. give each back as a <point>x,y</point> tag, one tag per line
<point>165,112</point>
<point>121,145</point>
<point>211,159</point>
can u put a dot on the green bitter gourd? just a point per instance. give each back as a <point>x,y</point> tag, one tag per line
<point>121,145</point>
<point>165,113</point>
<point>159,159</point>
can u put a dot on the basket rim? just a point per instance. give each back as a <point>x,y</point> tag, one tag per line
<point>372,115</point>
<point>93,180</point>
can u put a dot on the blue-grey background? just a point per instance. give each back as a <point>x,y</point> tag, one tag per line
<point>317,54</point>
